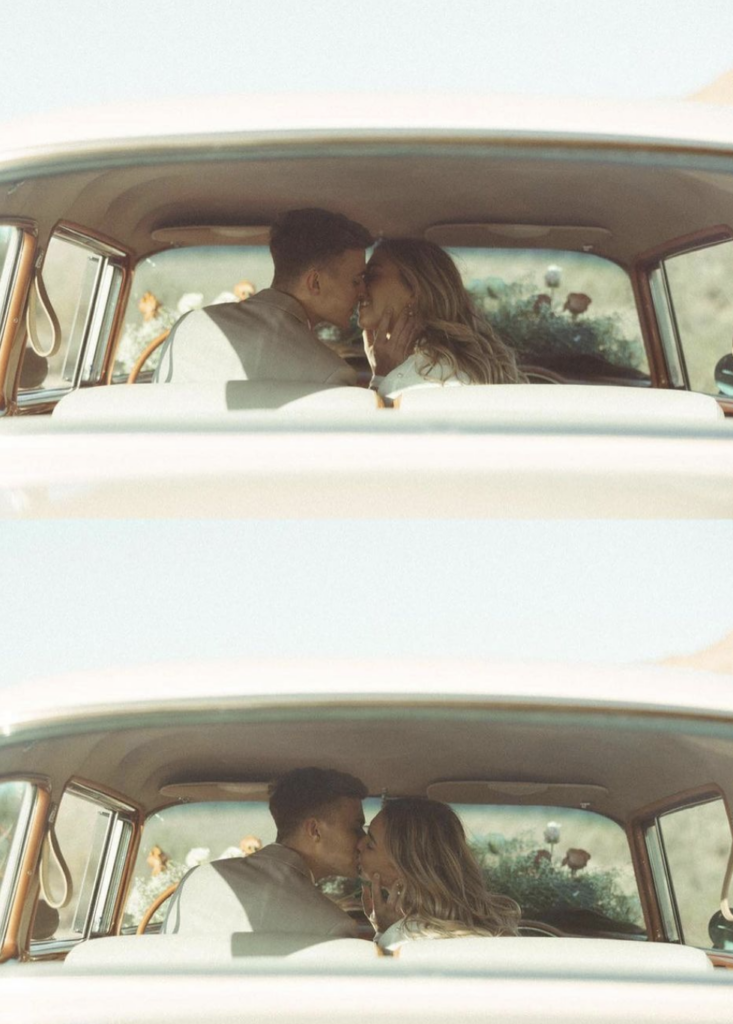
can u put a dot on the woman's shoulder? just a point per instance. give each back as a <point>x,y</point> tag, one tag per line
<point>418,370</point>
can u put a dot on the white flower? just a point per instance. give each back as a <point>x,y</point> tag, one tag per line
<point>189,301</point>
<point>197,855</point>
<point>553,274</point>
<point>224,297</point>
<point>231,851</point>
<point>552,832</point>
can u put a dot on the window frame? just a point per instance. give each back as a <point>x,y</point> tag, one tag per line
<point>109,884</point>
<point>659,321</point>
<point>11,315</point>
<point>26,859</point>
<point>659,887</point>
<point>110,289</point>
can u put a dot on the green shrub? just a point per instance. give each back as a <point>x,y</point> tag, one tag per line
<point>590,900</point>
<point>546,336</point>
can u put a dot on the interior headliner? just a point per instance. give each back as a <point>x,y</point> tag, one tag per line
<point>402,750</point>
<point>394,187</point>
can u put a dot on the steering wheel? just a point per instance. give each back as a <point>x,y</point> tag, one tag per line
<point>540,928</point>
<point>145,355</point>
<point>155,905</point>
<point>540,375</point>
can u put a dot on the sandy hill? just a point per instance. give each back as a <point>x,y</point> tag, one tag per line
<point>719,91</point>
<point>718,658</point>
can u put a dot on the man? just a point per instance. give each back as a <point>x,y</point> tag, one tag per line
<point>319,819</point>
<point>319,277</point>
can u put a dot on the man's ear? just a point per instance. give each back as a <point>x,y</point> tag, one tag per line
<point>313,282</point>
<point>312,829</point>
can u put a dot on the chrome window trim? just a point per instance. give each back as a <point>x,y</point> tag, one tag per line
<point>105,307</point>
<point>85,334</point>
<point>101,248</point>
<point>667,324</point>
<point>118,845</point>
<point>662,884</point>
<point>39,397</point>
<point>88,792</point>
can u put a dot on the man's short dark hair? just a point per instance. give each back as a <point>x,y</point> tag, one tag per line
<point>306,792</point>
<point>301,239</point>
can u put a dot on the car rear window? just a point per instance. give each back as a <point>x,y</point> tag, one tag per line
<point>568,868</point>
<point>571,313</point>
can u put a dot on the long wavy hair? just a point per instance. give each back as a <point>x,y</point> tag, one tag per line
<point>455,333</point>
<point>443,891</point>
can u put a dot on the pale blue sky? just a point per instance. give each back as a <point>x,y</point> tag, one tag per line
<point>105,593</point>
<point>79,52</point>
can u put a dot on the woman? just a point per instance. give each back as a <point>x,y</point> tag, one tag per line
<point>416,849</point>
<point>420,325</point>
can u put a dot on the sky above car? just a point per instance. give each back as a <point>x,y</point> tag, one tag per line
<point>99,594</point>
<point>83,52</point>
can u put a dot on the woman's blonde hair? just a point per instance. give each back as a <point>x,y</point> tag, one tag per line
<point>443,891</point>
<point>454,332</point>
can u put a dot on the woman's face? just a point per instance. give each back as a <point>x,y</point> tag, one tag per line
<point>373,855</point>
<point>385,289</point>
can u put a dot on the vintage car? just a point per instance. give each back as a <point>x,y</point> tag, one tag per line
<point>598,797</point>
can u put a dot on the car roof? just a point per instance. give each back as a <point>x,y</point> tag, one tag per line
<point>673,122</point>
<point>353,681</point>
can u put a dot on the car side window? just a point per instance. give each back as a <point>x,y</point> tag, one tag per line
<point>696,842</point>
<point>698,284</point>
<point>69,318</point>
<point>81,866</point>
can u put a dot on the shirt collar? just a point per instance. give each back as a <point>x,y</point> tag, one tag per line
<point>283,301</point>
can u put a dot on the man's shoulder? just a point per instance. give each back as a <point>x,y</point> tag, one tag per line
<point>274,858</point>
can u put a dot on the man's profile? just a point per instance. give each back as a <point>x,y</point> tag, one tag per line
<point>319,266</point>
<point>319,819</point>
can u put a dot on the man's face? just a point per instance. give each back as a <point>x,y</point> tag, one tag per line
<point>341,827</point>
<point>341,288</point>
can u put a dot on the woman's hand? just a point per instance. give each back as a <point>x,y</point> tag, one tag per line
<point>382,912</point>
<point>387,348</point>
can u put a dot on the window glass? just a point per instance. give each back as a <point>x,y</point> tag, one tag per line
<point>699,284</point>
<point>69,275</point>
<point>70,874</point>
<point>697,842</point>
<point>554,881</point>
<point>169,284</point>
<point>16,805</point>
<point>569,868</point>
<point>569,312</point>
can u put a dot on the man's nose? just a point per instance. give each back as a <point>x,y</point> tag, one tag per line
<point>360,842</point>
